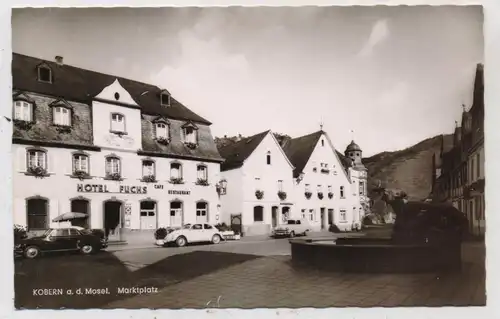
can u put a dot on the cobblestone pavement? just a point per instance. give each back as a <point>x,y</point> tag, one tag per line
<point>272,282</point>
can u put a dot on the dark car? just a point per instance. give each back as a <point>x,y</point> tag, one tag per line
<point>61,239</point>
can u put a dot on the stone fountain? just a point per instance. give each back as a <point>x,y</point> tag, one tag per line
<point>426,237</point>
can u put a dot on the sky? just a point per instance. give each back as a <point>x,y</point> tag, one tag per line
<point>387,77</point>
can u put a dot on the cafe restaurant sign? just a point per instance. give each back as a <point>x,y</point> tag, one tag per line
<point>121,189</point>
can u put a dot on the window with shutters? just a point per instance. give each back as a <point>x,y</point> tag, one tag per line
<point>148,168</point>
<point>161,131</point>
<point>202,172</point>
<point>36,159</point>
<point>23,111</point>
<point>81,163</point>
<point>113,166</point>
<point>117,123</point>
<point>62,116</point>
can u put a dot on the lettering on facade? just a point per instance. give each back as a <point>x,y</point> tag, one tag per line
<point>123,189</point>
<point>158,186</point>
<point>176,192</point>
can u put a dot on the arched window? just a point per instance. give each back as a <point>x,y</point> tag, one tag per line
<point>268,158</point>
<point>113,165</point>
<point>80,163</point>
<point>322,142</point>
<point>117,123</point>
<point>341,191</point>
<point>23,111</point>
<point>62,116</point>
<point>37,213</point>
<point>258,214</point>
<point>44,74</point>
<point>36,159</point>
<point>175,171</point>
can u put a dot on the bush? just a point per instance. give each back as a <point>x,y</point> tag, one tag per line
<point>161,233</point>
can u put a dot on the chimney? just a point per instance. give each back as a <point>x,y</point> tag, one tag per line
<point>238,138</point>
<point>59,60</point>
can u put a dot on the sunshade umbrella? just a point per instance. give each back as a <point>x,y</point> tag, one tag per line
<point>69,216</point>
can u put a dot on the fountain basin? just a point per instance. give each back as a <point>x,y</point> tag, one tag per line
<point>375,255</point>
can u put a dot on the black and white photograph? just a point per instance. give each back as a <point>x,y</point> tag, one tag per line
<point>248,157</point>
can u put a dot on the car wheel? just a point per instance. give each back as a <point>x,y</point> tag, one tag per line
<point>181,241</point>
<point>87,249</point>
<point>32,252</point>
<point>292,234</point>
<point>216,239</point>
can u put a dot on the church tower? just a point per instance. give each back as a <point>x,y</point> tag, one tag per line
<point>355,154</point>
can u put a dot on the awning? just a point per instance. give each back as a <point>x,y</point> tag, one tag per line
<point>69,216</point>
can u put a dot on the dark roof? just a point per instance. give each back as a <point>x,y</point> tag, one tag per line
<point>352,147</point>
<point>80,85</point>
<point>235,154</point>
<point>299,150</point>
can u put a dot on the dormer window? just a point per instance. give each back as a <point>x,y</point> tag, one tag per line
<point>62,116</point>
<point>23,111</point>
<point>190,135</point>
<point>161,130</point>
<point>117,123</point>
<point>44,74</point>
<point>165,98</point>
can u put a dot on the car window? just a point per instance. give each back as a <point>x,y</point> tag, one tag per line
<point>60,232</point>
<point>187,226</point>
<point>297,222</point>
<point>207,226</point>
<point>291,222</point>
<point>73,232</point>
<point>197,226</point>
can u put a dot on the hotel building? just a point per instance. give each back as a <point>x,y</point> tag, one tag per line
<point>126,154</point>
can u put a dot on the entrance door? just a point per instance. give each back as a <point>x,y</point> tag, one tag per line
<point>148,215</point>
<point>330,216</point>
<point>323,217</point>
<point>202,212</point>
<point>285,214</point>
<point>274,215</point>
<point>112,219</point>
<point>80,206</point>
<point>176,219</point>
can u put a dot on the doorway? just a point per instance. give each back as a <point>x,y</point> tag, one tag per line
<point>285,213</point>
<point>148,215</point>
<point>81,206</point>
<point>202,213</point>
<point>323,218</point>
<point>274,213</point>
<point>113,219</point>
<point>176,214</point>
<point>330,216</point>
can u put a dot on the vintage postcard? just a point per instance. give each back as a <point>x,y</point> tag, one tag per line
<point>237,157</point>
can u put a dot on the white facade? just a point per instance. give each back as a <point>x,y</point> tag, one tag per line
<point>267,170</point>
<point>340,200</point>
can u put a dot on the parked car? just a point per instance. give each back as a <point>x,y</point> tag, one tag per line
<point>192,233</point>
<point>60,239</point>
<point>293,227</point>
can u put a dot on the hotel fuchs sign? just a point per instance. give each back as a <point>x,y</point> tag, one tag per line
<point>121,189</point>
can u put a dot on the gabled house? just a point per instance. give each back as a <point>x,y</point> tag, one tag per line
<point>326,183</point>
<point>260,184</point>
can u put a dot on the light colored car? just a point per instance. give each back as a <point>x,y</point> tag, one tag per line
<point>293,227</point>
<point>194,233</point>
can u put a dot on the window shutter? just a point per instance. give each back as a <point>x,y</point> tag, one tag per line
<point>22,157</point>
<point>51,161</point>
<point>183,135</point>
<point>153,130</point>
